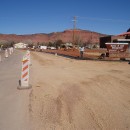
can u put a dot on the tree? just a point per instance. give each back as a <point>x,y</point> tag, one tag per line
<point>30,45</point>
<point>5,43</point>
<point>78,41</point>
<point>50,44</point>
<point>58,43</point>
<point>12,43</point>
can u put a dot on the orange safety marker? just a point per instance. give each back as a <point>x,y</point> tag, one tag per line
<point>24,82</point>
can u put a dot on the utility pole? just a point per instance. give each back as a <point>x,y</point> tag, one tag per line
<point>74,28</point>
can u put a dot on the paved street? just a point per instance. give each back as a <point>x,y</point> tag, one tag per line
<point>13,102</point>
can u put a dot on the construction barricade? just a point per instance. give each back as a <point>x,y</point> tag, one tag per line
<point>24,82</point>
<point>6,53</point>
<point>28,56</point>
<point>0,58</point>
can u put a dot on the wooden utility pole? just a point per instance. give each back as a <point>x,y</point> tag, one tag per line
<point>74,28</point>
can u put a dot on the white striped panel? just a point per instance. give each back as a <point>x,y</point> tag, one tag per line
<point>25,64</point>
<point>26,77</point>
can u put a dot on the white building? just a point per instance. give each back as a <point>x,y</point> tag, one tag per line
<point>20,45</point>
<point>43,47</point>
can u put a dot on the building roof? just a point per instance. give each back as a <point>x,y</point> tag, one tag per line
<point>124,34</point>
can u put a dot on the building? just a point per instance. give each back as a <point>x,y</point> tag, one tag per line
<point>104,40</point>
<point>20,45</point>
<point>109,39</point>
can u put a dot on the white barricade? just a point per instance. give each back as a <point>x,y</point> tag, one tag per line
<point>6,53</point>
<point>24,82</point>
<point>0,58</point>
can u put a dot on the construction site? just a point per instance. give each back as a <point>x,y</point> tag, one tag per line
<point>64,65</point>
<point>56,89</point>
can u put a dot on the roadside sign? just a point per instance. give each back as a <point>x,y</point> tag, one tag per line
<point>117,47</point>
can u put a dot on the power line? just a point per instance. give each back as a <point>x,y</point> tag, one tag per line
<point>102,19</point>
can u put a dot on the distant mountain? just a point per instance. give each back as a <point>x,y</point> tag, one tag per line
<point>66,36</point>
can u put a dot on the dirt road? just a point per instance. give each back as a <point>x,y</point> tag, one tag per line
<point>73,94</point>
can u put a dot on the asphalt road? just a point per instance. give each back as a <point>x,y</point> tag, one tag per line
<point>13,102</point>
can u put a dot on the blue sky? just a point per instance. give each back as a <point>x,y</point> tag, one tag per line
<point>46,16</point>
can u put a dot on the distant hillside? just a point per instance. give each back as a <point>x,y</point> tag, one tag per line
<point>66,36</point>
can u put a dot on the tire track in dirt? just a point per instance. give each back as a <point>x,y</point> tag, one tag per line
<point>40,59</point>
<point>112,97</point>
<point>97,99</point>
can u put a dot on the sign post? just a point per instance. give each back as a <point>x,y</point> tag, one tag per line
<point>117,49</point>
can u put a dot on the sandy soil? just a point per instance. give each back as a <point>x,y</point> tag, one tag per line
<point>71,94</point>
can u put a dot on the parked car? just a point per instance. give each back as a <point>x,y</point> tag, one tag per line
<point>52,48</point>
